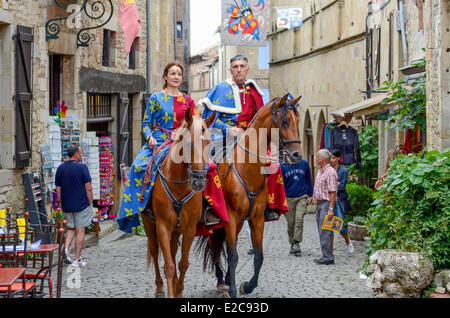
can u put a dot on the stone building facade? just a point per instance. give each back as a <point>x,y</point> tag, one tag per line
<point>437,25</point>
<point>203,73</point>
<point>212,65</point>
<point>339,60</point>
<point>60,68</point>
<point>257,60</point>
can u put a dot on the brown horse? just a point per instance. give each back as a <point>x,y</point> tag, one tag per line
<point>245,190</point>
<point>175,206</point>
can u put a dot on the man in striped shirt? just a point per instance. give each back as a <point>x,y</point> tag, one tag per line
<point>325,190</point>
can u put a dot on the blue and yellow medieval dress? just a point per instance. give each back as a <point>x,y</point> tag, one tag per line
<point>163,115</point>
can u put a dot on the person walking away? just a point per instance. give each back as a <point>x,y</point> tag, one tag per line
<point>74,189</point>
<point>299,190</point>
<point>324,193</point>
<point>342,204</point>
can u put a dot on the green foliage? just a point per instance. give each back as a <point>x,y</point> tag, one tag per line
<point>361,197</point>
<point>368,144</point>
<point>360,220</point>
<point>412,102</point>
<point>411,210</point>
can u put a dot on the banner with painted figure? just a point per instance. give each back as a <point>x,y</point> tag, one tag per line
<point>244,22</point>
<point>288,18</point>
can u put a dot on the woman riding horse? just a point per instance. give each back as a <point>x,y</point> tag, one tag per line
<point>245,190</point>
<point>153,171</point>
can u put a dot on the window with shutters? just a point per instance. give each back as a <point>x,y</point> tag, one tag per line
<point>98,106</point>
<point>55,79</point>
<point>134,56</point>
<point>125,124</point>
<point>179,30</point>
<point>109,48</point>
<point>24,95</point>
<point>106,47</point>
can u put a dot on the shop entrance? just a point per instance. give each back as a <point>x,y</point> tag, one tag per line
<point>101,149</point>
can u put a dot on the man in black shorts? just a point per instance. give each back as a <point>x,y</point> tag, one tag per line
<point>74,188</point>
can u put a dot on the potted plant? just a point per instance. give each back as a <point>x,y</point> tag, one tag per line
<point>357,229</point>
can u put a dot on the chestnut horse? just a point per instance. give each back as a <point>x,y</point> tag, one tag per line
<point>175,206</point>
<point>245,191</point>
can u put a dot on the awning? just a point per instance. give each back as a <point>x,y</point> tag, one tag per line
<point>365,107</point>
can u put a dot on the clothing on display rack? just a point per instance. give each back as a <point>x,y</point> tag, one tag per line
<point>345,139</point>
<point>326,128</point>
<point>412,141</point>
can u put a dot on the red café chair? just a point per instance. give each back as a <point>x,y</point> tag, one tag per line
<point>10,256</point>
<point>50,232</point>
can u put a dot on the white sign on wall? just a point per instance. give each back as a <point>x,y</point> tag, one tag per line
<point>288,18</point>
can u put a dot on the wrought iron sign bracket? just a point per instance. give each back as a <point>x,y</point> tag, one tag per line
<point>97,11</point>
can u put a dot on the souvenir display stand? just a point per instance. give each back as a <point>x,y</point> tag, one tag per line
<point>106,149</point>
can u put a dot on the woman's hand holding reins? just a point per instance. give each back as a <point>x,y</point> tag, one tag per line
<point>151,142</point>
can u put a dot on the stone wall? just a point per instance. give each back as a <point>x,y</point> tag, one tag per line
<point>437,20</point>
<point>323,60</point>
<point>35,14</point>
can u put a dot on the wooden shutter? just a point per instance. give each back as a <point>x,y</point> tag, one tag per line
<point>132,58</point>
<point>24,95</point>
<point>124,124</point>
<point>106,47</point>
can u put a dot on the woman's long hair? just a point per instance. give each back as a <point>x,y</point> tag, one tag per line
<point>167,68</point>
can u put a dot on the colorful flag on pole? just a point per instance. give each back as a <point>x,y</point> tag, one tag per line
<point>129,20</point>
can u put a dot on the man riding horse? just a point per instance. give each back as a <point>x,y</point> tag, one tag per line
<point>236,101</point>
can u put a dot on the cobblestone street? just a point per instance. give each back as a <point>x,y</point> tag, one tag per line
<point>116,268</point>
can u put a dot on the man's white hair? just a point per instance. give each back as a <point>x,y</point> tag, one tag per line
<point>325,154</point>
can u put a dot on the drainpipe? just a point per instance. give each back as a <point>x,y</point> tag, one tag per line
<point>368,52</point>
<point>148,49</point>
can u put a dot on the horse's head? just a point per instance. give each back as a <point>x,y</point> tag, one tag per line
<point>285,117</point>
<point>196,139</point>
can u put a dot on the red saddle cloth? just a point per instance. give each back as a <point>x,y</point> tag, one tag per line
<point>214,195</point>
<point>277,195</point>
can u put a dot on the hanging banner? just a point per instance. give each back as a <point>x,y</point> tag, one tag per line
<point>288,18</point>
<point>244,22</point>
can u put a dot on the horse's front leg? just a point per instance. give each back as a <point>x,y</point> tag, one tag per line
<point>152,241</point>
<point>164,235</point>
<point>173,251</point>
<point>233,258</point>
<point>183,265</point>
<point>257,231</point>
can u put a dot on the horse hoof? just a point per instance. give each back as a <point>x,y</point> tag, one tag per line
<point>160,295</point>
<point>242,289</point>
<point>223,289</point>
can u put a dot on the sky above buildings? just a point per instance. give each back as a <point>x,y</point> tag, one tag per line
<point>205,18</point>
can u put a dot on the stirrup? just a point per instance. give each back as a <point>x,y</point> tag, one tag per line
<point>209,217</point>
<point>271,215</point>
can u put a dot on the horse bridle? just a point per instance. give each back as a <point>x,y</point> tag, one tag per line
<point>251,195</point>
<point>283,143</point>
<point>178,204</point>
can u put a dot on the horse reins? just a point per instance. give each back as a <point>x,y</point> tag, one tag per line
<point>193,174</point>
<point>178,205</point>
<point>251,195</point>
